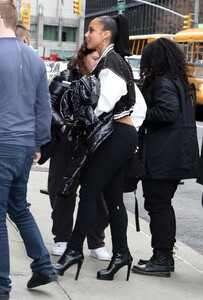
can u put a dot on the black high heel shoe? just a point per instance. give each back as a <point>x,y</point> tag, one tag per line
<point>69,258</point>
<point>118,261</point>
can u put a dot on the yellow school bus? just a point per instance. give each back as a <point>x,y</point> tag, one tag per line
<point>191,43</point>
<point>138,42</point>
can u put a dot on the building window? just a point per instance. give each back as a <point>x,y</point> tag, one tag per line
<point>33,31</point>
<point>50,33</point>
<point>68,34</point>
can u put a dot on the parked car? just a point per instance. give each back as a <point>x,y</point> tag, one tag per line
<point>54,68</point>
<point>134,62</point>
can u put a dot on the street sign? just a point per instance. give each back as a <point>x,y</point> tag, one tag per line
<point>121,6</point>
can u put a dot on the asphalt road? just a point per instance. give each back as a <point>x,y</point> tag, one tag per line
<point>187,205</point>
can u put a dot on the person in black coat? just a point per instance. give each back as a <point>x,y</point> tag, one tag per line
<point>168,145</point>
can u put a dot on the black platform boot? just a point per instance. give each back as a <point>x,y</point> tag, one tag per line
<point>69,258</point>
<point>171,261</point>
<point>118,261</point>
<point>158,265</point>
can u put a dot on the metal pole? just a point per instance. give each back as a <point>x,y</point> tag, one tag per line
<point>18,2</point>
<point>196,14</point>
<point>60,22</point>
<point>161,7</point>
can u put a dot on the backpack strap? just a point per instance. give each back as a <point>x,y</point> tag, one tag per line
<point>137,223</point>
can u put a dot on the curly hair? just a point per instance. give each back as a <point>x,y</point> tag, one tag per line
<point>78,60</point>
<point>163,56</point>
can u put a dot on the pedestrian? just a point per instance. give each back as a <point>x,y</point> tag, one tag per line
<point>25,120</point>
<point>114,141</point>
<point>168,146</point>
<point>63,206</point>
<point>23,33</point>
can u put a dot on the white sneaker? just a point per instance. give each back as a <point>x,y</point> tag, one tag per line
<point>100,253</point>
<point>59,248</point>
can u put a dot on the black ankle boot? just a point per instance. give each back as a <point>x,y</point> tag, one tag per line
<point>158,265</point>
<point>118,261</point>
<point>171,261</point>
<point>69,258</point>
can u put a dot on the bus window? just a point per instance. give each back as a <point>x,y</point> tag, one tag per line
<point>200,53</point>
<point>138,42</point>
<point>191,43</point>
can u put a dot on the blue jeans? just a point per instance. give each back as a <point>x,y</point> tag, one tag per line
<point>15,165</point>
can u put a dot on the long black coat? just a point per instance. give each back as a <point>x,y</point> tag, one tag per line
<point>168,137</point>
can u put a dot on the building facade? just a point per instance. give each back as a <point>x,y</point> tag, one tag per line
<point>54,27</point>
<point>143,18</point>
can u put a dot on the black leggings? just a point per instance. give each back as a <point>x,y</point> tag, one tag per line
<point>105,174</point>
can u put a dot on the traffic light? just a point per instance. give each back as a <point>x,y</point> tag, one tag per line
<point>187,21</point>
<point>77,7</point>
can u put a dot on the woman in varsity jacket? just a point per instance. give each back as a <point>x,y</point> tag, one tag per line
<point>105,170</point>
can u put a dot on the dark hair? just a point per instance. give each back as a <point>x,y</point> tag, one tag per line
<point>119,28</point>
<point>21,31</point>
<point>163,56</point>
<point>78,59</point>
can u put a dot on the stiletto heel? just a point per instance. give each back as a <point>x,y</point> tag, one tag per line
<point>128,270</point>
<point>118,261</point>
<point>69,258</point>
<point>78,269</point>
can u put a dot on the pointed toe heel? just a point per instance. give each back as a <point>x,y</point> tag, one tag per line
<point>118,261</point>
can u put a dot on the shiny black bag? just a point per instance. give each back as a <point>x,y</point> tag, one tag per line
<point>79,101</point>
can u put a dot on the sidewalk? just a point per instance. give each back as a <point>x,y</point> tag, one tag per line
<point>186,283</point>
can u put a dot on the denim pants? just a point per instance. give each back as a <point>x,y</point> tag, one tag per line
<point>15,165</point>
